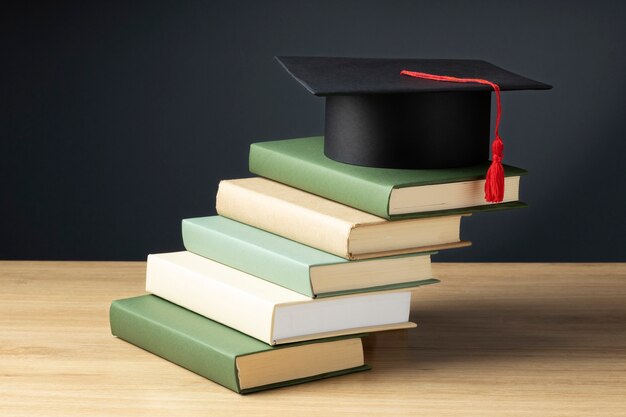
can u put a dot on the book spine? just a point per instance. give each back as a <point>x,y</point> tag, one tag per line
<point>229,305</point>
<point>245,256</point>
<point>283,218</point>
<point>320,180</point>
<point>179,348</point>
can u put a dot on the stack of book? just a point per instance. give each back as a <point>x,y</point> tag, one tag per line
<point>327,243</point>
<point>299,264</point>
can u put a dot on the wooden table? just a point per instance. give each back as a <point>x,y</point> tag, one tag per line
<point>492,340</point>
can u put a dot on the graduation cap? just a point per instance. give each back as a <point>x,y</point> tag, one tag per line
<point>410,113</point>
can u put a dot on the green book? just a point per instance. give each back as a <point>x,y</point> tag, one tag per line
<point>387,193</point>
<point>225,356</point>
<point>298,267</point>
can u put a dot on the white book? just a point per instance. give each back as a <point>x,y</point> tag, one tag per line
<point>266,311</point>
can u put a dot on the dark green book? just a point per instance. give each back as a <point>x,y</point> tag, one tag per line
<point>298,267</point>
<point>387,193</point>
<point>225,356</point>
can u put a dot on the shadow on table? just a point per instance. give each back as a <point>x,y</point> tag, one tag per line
<point>473,331</point>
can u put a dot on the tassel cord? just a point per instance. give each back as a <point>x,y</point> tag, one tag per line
<point>494,179</point>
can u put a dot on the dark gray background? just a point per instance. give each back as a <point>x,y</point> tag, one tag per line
<point>118,120</point>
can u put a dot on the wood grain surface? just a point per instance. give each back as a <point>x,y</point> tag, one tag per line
<point>492,340</point>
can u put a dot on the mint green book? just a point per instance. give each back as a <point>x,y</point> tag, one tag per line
<point>383,192</point>
<point>225,356</point>
<point>298,267</point>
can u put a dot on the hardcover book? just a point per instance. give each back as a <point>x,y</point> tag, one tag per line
<point>298,267</point>
<point>329,226</point>
<point>225,356</point>
<point>266,311</point>
<point>384,192</point>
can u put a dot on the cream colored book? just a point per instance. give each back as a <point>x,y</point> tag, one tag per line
<point>266,311</point>
<point>331,226</point>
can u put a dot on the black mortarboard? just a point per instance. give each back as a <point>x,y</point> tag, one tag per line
<point>377,117</point>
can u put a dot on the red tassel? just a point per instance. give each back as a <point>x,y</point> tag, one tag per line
<point>494,184</point>
<point>494,180</point>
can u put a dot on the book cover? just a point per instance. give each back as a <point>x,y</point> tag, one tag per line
<point>301,163</point>
<point>266,311</point>
<point>282,261</point>
<point>194,342</point>
<point>330,226</point>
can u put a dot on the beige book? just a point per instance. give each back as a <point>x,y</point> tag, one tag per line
<point>331,226</point>
<point>266,311</point>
